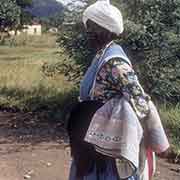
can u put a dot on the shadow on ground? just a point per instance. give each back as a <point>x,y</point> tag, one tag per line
<point>29,128</point>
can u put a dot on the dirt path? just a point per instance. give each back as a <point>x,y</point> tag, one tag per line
<point>36,149</point>
<point>42,162</point>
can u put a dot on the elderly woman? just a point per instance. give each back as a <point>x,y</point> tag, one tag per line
<point>110,75</point>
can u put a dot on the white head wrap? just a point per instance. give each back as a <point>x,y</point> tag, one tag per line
<point>105,15</point>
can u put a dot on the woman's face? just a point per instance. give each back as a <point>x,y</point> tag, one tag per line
<point>96,34</point>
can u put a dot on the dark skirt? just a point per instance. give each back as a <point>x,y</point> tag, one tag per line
<point>108,174</point>
<point>87,163</point>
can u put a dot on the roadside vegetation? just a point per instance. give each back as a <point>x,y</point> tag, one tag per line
<point>23,85</point>
<point>170,115</point>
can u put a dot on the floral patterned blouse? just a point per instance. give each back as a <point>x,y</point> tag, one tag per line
<point>117,78</point>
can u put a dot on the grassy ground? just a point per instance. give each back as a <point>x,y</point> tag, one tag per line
<point>171,119</point>
<point>22,83</point>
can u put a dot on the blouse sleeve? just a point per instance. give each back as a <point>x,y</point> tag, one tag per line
<point>123,75</point>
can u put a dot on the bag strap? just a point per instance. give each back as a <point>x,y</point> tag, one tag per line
<point>91,93</point>
<point>102,62</point>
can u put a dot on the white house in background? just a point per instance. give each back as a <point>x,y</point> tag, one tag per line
<point>34,29</point>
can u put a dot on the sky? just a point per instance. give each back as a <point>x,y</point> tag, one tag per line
<point>65,2</point>
<point>76,2</point>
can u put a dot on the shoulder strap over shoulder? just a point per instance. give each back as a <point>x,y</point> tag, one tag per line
<point>112,51</point>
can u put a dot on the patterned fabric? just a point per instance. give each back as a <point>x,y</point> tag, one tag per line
<point>111,50</point>
<point>117,78</point>
<point>116,131</point>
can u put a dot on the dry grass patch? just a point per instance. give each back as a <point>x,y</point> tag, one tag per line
<point>22,83</point>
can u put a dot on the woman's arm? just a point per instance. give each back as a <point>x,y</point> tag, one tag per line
<point>120,75</point>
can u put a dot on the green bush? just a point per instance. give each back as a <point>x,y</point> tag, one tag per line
<point>43,41</point>
<point>24,87</point>
<point>151,38</point>
<point>171,119</point>
<point>77,57</point>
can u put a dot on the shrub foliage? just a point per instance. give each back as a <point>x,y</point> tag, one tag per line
<point>152,38</point>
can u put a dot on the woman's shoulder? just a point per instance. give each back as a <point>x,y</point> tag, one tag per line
<point>115,46</point>
<point>116,52</point>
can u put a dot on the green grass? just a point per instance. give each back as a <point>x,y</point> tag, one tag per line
<point>22,83</point>
<point>44,41</point>
<point>170,115</point>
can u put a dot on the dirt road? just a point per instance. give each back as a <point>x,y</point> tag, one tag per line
<point>37,149</point>
<point>42,162</point>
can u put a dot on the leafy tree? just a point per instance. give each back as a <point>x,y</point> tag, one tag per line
<point>56,20</point>
<point>9,14</point>
<point>13,13</point>
<point>26,17</point>
<point>157,37</point>
<point>24,3</point>
<point>53,21</point>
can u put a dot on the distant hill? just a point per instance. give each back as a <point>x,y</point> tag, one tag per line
<point>45,8</point>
